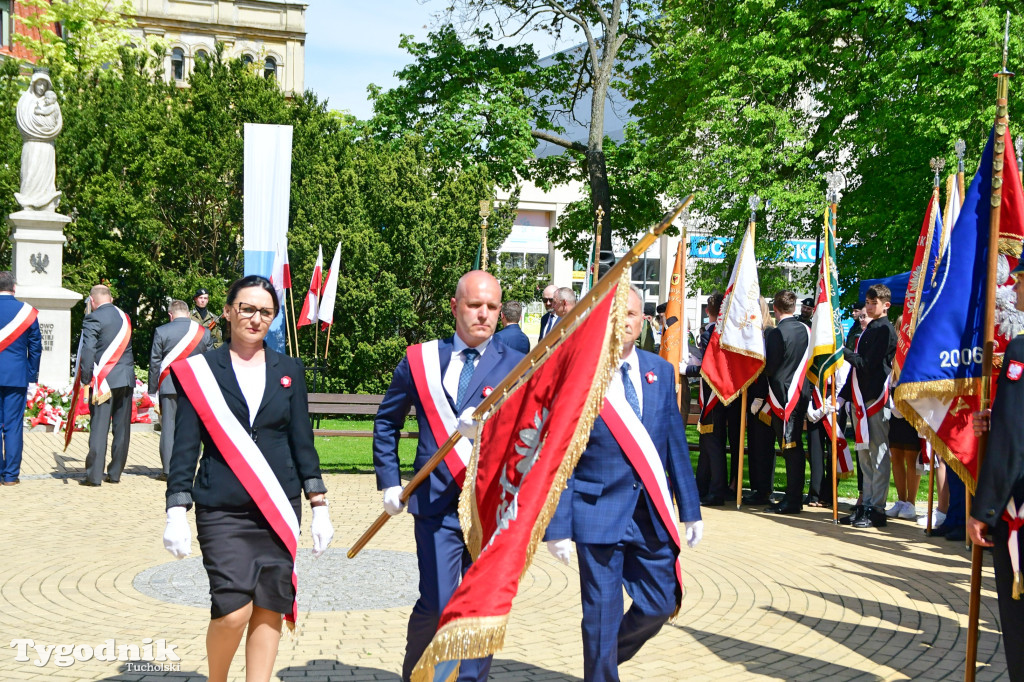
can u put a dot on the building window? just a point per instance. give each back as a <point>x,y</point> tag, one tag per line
<point>178,64</point>
<point>5,23</point>
<point>247,59</point>
<point>202,56</point>
<point>270,68</point>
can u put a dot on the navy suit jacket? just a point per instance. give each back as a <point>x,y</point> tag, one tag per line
<point>19,362</point>
<point>543,323</point>
<point>513,337</point>
<point>604,489</point>
<point>440,494</point>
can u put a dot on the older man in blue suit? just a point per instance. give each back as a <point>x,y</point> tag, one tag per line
<point>511,334</point>
<point>441,379</point>
<point>20,349</point>
<point>618,509</point>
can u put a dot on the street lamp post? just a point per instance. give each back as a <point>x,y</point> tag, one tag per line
<point>485,210</point>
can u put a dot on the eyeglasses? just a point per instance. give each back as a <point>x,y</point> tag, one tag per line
<point>246,311</point>
<point>548,300</point>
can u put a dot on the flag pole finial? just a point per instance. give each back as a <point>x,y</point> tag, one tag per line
<point>937,163</point>
<point>754,201</point>
<point>1006,40</point>
<point>1019,146</point>
<point>836,181</point>
<point>960,147</point>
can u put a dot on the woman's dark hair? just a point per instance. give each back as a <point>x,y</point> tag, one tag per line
<point>250,281</point>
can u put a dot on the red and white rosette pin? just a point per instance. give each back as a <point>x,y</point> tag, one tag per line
<point>286,381</point>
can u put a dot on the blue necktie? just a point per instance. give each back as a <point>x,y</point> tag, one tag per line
<point>468,356</point>
<point>627,386</point>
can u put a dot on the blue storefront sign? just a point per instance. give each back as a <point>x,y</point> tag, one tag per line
<point>802,251</point>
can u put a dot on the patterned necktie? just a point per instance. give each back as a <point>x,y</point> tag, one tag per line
<point>468,356</point>
<point>627,386</point>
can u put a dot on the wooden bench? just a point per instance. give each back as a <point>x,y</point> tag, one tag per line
<point>346,404</point>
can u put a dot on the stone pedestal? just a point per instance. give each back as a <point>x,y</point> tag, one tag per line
<point>38,258</point>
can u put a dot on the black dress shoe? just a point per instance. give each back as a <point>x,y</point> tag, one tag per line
<point>871,519</point>
<point>712,501</point>
<point>956,535</point>
<point>756,499</point>
<point>108,479</point>
<point>856,512</point>
<point>781,509</point>
<point>89,484</point>
<point>941,530</point>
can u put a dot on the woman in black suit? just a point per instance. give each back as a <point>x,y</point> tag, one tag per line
<point>244,405</point>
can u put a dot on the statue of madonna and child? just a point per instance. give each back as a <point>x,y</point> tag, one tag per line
<point>39,121</point>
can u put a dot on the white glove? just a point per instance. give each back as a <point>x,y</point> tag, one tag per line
<point>321,529</point>
<point>392,500</point>
<point>177,534</point>
<point>840,403</point>
<point>815,415</point>
<point>155,399</point>
<point>467,425</point>
<point>896,413</point>
<point>755,405</point>
<point>561,549</point>
<point>694,533</point>
<point>32,389</point>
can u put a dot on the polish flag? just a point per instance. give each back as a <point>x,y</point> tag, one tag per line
<point>311,306</point>
<point>330,292</point>
<point>280,277</point>
<point>735,354</point>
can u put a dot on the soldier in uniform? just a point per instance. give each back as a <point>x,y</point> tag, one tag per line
<point>999,497</point>
<point>203,316</point>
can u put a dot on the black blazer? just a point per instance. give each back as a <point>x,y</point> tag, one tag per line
<point>98,331</point>
<point>282,432</point>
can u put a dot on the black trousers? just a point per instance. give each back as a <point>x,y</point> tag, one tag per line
<point>116,411</point>
<point>1011,611</point>
<point>788,433</point>
<point>711,464</point>
<point>819,447</point>
<point>761,438</point>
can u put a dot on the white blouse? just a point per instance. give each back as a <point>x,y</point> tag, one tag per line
<point>252,379</point>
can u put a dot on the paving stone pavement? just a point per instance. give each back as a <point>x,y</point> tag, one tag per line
<point>768,597</point>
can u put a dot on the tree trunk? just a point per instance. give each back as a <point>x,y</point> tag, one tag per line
<point>600,195</point>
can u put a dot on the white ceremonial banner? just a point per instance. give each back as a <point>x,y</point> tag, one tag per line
<point>267,188</point>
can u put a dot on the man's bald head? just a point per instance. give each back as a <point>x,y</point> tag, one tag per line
<point>565,299</point>
<point>475,279</point>
<point>548,296</point>
<point>100,294</point>
<point>476,305</point>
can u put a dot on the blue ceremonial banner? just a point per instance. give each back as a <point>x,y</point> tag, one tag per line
<point>940,385</point>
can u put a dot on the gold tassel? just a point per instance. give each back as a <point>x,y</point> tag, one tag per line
<point>1018,584</point>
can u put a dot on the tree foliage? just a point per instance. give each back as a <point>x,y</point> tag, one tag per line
<point>152,174</point>
<point>756,97</point>
<point>91,32</point>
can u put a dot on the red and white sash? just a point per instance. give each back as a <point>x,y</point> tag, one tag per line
<point>23,319</point>
<point>632,437</point>
<point>425,364</point>
<point>1015,520</point>
<point>243,456</point>
<point>784,412</point>
<point>182,349</point>
<point>113,353</point>
<point>844,458</point>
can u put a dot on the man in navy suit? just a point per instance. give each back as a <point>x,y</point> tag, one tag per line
<point>441,379</point>
<point>548,320</point>
<point>511,335</point>
<point>617,508</point>
<point>20,349</point>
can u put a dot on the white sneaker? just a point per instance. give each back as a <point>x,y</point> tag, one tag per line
<point>894,510</point>
<point>937,519</point>
<point>909,512</point>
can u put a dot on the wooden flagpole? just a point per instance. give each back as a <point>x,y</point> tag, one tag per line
<point>931,492</point>
<point>743,439</point>
<point>835,456</point>
<point>327,346</point>
<point>834,182</point>
<point>995,206</point>
<point>295,329</point>
<point>533,360</point>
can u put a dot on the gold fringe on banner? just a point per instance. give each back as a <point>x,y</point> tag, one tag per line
<point>1009,244</point>
<point>467,638</point>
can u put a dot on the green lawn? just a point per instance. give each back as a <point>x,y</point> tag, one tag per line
<point>355,455</point>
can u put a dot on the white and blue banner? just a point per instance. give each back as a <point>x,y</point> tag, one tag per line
<point>268,172</point>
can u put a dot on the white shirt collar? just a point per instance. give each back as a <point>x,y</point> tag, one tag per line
<point>458,345</point>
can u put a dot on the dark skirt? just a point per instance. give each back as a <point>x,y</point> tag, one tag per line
<point>902,435</point>
<point>244,559</point>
